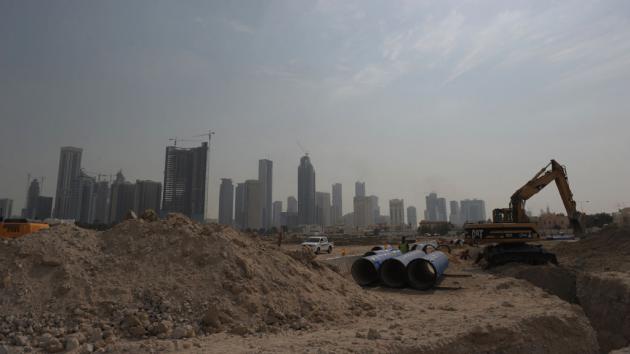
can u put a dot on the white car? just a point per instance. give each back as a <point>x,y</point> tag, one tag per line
<point>318,244</point>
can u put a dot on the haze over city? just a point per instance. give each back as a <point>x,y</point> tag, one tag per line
<point>464,99</point>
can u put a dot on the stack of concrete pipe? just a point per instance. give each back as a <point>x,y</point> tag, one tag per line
<point>417,269</point>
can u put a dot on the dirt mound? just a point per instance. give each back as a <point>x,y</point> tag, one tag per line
<point>170,278</point>
<point>607,250</point>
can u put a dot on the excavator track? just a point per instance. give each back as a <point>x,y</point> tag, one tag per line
<point>497,255</point>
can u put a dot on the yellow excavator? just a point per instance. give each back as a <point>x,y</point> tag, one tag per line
<point>507,237</point>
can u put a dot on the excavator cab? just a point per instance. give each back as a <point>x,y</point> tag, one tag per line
<point>502,215</point>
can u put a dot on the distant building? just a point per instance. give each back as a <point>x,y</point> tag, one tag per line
<point>397,212</point>
<point>43,209</point>
<point>6,208</point>
<point>337,207</point>
<point>553,221</point>
<point>253,205</point>
<point>412,217</point>
<point>265,177</point>
<point>226,202</point>
<point>621,218</point>
<point>376,209</point>
<point>185,181</point>
<point>472,210</point>
<point>82,198</point>
<point>292,205</point>
<point>101,202</point>
<point>454,217</point>
<point>322,209</point>
<point>366,211</point>
<point>348,220</point>
<point>277,221</point>
<point>123,198</point>
<point>31,200</point>
<point>69,170</point>
<point>435,208</point>
<point>306,191</point>
<point>240,212</point>
<point>359,189</point>
<point>148,195</point>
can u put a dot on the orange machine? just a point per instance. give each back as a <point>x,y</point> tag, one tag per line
<point>13,228</point>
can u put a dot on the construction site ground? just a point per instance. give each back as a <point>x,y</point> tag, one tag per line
<point>176,286</point>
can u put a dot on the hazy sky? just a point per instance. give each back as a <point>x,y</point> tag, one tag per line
<point>464,98</point>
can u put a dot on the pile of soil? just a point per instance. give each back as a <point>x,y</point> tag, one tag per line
<point>67,287</point>
<point>607,250</point>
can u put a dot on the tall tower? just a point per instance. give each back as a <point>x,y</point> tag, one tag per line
<point>306,191</point>
<point>31,200</point>
<point>337,207</point>
<point>185,181</point>
<point>69,170</point>
<point>359,189</point>
<point>265,177</point>
<point>412,217</point>
<point>226,202</point>
<point>397,212</point>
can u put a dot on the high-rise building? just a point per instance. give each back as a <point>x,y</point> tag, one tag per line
<point>306,191</point>
<point>454,217</point>
<point>359,189</point>
<point>366,211</point>
<point>397,212</point>
<point>6,208</point>
<point>265,177</point>
<point>101,202</point>
<point>240,212</point>
<point>376,209</point>
<point>69,170</point>
<point>435,208</point>
<point>31,200</point>
<point>322,209</point>
<point>185,181</point>
<point>292,205</point>
<point>148,195</point>
<point>412,217</point>
<point>226,202</point>
<point>277,214</point>
<point>337,208</point>
<point>472,210</point>
<point>122,199</point>
<point>253,204</point>
<point>82,198</point>
<point>43,209</point>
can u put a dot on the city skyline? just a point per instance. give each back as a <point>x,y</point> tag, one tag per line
<point>451,87</point>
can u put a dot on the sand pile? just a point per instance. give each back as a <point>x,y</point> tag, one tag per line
<point>172,278</point>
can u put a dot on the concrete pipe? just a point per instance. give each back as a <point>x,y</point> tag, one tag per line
<point>424,245</point>
<point>423,273</point>
<point>393,272</point>
<point>365,270</point>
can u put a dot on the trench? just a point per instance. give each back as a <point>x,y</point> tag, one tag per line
<point>604,297</point>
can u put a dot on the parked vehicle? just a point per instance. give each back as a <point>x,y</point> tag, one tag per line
<point>318,244</point>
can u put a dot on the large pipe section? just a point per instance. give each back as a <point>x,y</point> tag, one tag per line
<point>424,272</point>
<point>393,272</point>
<point>365,270</point>
<point>424,245</point>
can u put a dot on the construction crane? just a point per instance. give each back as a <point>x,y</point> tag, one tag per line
<point>507,236</point>
<point>302,148</point>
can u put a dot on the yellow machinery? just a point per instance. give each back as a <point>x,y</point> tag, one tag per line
<point>13,228</point>
<point>507,236</point>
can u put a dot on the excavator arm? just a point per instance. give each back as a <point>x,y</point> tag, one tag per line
<point>545,176</point>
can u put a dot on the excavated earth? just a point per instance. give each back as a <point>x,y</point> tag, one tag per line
<point>173,285</point>
<point>594,273</point>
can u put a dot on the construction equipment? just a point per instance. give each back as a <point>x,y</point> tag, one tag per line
<point>507,236</point>
<point>13,228</point>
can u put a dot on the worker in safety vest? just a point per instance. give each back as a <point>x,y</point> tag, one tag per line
<point>404,246</point>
